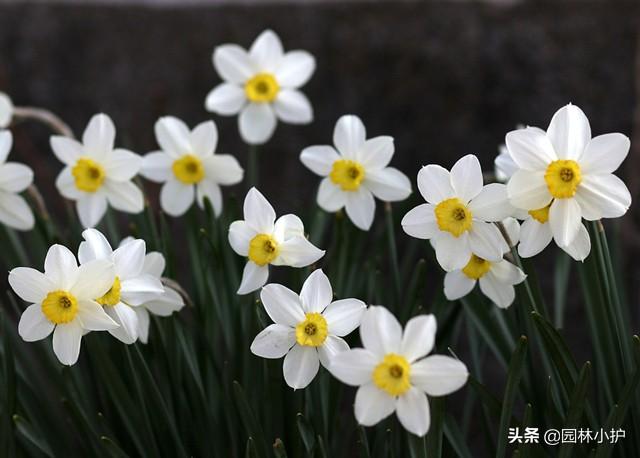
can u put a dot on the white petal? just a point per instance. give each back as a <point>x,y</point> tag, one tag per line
<point>388,184</point>
<point>413,412</point>
<point>569,132</point>
<point>129,259</point>
<point>602,196</point>
<point>293,107</point>
<point>66,185</point>
<point>282,304</point>
<point>124,196</point>
<point>204,139</point>
<point>66,342</point>
<point>258,212</point>
<point>330,197</point>
<point>233,63</point>
<point>30,285</point>
<point>504,165</point>
<point>156,167</point>
<point>127,318</point>
<point>176,198</point>
<point>300,366</point>
<point>434,183</point>
<point>6,110</point>
<point>165,304</point>
<point>530,149</point>
<point>99,136</point>
<point>211,191</point>
<point>604,153</point>
<point>565,218</point>
<point>123,165</point>
<point>373,405</point>
<point>91,208</point>
<point>377,152</point>
<point>15,177</point>
<point>319,159</point>
<point>360,207</point>
<point>288,226</point>
<point>154,264</point>
<point>15,212</point>
<point>257,122</point>
<point>66,149</point>
<point>223,169</point>
<point>240,235</point>
<point>528,190</point>
<point>274,341</point>
<point>457,285</point>
<point>253,277</point>
<point>418,337</point>
<point>420,222</point>
<point>93,317</point>
<point>316,293</point>
<point>330,348</point>
<point>581,246</point>
<point>380,331</point>
<point>486,241</point>
<point>97,246</point>
<point>534,237</point>
<point>508,273</point>
<point>492,203</point>
<point>502,294</point>
<point>139,290</point>
<point>225,99</point>
<point>353,367</point>
<point>143,324</point>
<point>439,375</point>
<point>452,252</point>
<point>466,177</point>
<point>297,251</point>
<point>266,51</point>
<point>173,136</point>
<point>512,228</point>
<point>61,267</point>
<point>295,69</point>
<point>349,136</point>
<point>33,324</point>
<point>94,279</point>
<point>344,316</point>
<point>6,137</point>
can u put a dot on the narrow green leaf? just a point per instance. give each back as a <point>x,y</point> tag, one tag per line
<point>306,433</point>
<point>25,431</point>
<point>479,314</point>
<point>455,438</point>
<point>577,405</point>
<point>114,450</point>
<point>363,443</point>
<point>250,422</point>
<point>393,251</point>
<point>560,286</point>
<point>434,436</point>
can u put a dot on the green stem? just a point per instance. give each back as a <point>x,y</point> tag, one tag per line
<point>252,167</point>
<point>393,252</point>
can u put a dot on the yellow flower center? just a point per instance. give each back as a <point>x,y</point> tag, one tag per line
<point>111,297</point>
<point>188,169</point>
<point>60,307</point>
<point>347,174</point>
<point>392,374</point>
<point>263,249</point>
<point>563,177</point>
<point>313,331</point>
<point>541,215</point>
<point>476,267</point>
<point>88,174</point>
<point>262,88</point>
<point>453,216</point>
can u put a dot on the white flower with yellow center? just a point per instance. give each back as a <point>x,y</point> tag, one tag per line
<point>569,172</point>
<point>96,174</point>
<point>265,240</point>
<point>188,166</point>
<point>62,301</point>
<point>392,372</point>
<point>262,85</point>
<point>14,178</point>
<point>459,213</point>
<point>6,110</point>
<point>131,286</point>
<point>355,171</point>
<point>308,327</point>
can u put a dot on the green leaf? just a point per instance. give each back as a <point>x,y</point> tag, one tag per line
<point>114,450</point>
<point>455,437</point>
<point>250,422</point>
<point>577,405</point>
<point>434,436</point>
<point>306,433</point>
<point>25,431</point>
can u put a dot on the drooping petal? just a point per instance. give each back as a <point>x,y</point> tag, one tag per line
<point>91,208</point>
<point>297,251</point>
<point>93,317</point>
<point>274,341</point>
<point>127,318</point>
<point>602,196</point>
<point>94,279</point>
<point>293,107</point>
<point>143,324</point>
<point>15,177</point>
<point>581,246</point>
<point>508,273</point>
<point>124,196</point>
<point>226,99</point>
<point>139,290</point>
<point>534,237</point>
<point>122,165</point>
<point>33,324</point>
<point>319,159</point>
<point>330,348</point>
<point>530,149</point>
<point>165,304</point>
<point>420,222</point>
<point>253,277</point>
<point>466,177</point>
<point>604,154</point>
<point>282,305</point>
<point>569,132</point>
<point>360,207</point>
<point>240,235</point>
<point>15,212</point>
<point>99,136</point>
<point>380,331</point>
<point>97,244</point>
<point>457,285</point>
<point>413,412</point>
<point>349,136</point>
<point>528,190</point>
<point>266,52</point>
<point>492,203</point>
<point>330,197</point>
<point>223,169</point>
<point>486,241</point>
<point>30,285</point>
<point>211,191</point>
<point>288,226</point>
<point>173,136</point>
<point>353,367</point>
<point>418,337</point>
<point>204,139</point>
<point>233,63</point>
<point>377,152</point>
<point>129,259</point>
<point>257,122</point>
<point>502,294</point>
<point>66,184</point>
<point>438,375</point>
<point>316,293</point>
<point>258,212</point>
<point>300,366</point>
<point>295,69</point>
<point>452,252</point>
<point>61,267</point>
<point>344,316</point>
<point>565,217</point>
<point>66,149</point>
<point>373,405</point>
<point>176,197</point>
<point>66,342</point>
<point>434,183</point>
<point>388,184</point>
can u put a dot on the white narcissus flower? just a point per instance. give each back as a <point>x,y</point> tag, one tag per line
<point>392,372</point>
<point>130,288</point>
<point>459,213</point>
<point>355,171</point>
<point>569,173</point>
<point>14,178</point>
<point>265,240</point>
<point>6,110</point>
<point>188,166</point>
<point>262,86</point>
<point>96,174</point>
<point>308,327</point>
<point>62,301</point>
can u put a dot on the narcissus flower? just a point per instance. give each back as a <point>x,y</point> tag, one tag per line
<point>355,171</point>
<point>130,288</point>
<point>392,372</point>
<point>568,172</point>
<point>188,166</point>
<point>308,327</point>
<point>458,214</point>
<point>62,301</point>
<point>265,240</point>
<point>262,85</point>
<point>96,174</point>
<point>6,110</point>
<point>14,178</point>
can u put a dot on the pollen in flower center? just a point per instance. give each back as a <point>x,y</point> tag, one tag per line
<point>313,331</point>
<point>347,174</point>
<point>60,307</point>
<point>392,374</point>
<point>263,249</point>
<point>541,215</point>
<point>88,174</point>
<point>262,88</point>
<point>111,297</point>
<point>453,216</point>
<point>188,169</point>
<point>563,177</point>
<point>476,267</point>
